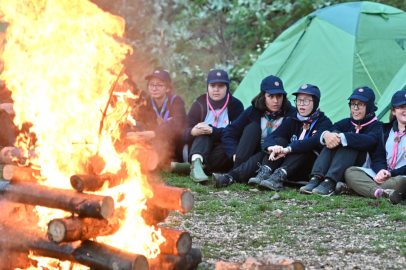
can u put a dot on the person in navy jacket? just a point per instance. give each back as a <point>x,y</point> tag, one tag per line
<point>347,144</point>
<point>244,137</point>
<point>387,175</point>
<point>303,134</point>
<point>205,123</point>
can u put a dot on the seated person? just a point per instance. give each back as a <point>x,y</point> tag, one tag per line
<point>244,137</point>
<point>347,144</point>
<point>205,123</point>
<point>387,175</point>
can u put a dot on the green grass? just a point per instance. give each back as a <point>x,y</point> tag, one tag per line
<point>250,210</point>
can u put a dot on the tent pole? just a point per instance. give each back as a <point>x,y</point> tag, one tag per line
<point>366,70</point>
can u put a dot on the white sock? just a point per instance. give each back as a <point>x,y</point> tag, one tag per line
<point>195,156</point>
<point>283,170</point>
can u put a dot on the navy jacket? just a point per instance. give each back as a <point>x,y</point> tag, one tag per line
<point>233,132</point>
<point>291,129</point>
<point>365,140</point>
<point>177,114</point>
<point>198,112</point>
<point>378,157</point>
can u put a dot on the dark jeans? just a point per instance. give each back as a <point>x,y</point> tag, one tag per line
<point>249,145</point>
<point>332,163</point>
<point>213,154</point>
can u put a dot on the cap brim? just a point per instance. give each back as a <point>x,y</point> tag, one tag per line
<point>303,92</point>
<point>156,76</point>
<point>399,103</point>
<point>218,80</point>
<point>361,98</point>
<point>275,91</point>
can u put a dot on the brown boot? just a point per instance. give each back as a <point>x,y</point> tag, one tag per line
<point>342,188</point>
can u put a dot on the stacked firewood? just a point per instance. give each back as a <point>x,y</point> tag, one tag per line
<point>68,239</point>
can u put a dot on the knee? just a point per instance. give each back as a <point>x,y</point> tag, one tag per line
<point>349,174</point>
<point>253,127</point>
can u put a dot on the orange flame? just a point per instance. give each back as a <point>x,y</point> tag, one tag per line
<point>60,59</point>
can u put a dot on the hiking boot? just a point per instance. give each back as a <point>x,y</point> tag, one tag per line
<point>180,168</point>
<point>196,172</point>
<point>391,195</point>
<point>222,180</point>
<point>275,181</point>
<point>313,183</point>
<point>342,188</point>
<point>264,172</point>
<point>326,188</point>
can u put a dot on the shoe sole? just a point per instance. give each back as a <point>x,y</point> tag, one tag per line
<point>305,192</point>
<point>264,185</point>
<point>326,195</point>
<point>395,197</point>
<point>200,181</point>
<point>253,182</point>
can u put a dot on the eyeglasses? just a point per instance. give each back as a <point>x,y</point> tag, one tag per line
<point>354,105</point>
<point>157,86</point>
<point>303,101</point>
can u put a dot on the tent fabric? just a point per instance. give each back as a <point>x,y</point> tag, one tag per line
<point>338,48</point>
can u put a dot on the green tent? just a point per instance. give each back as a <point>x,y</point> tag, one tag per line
<point>338,48</point>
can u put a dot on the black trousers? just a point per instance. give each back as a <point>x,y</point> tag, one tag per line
<point>249,145</point>
<point>213,154</point>
<point>332,163</point>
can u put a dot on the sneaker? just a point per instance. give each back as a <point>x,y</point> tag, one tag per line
<point>313,183</point>
<point>222,180</point>
<point>196,172</point>
<point>180,168</point>
<point>342,188</point>
<point>326,188</point>
<point>264,172</point>
<point>275,181</point>
<point>391,195</point>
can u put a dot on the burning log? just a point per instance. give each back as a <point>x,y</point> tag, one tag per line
<point>169,262</point>
<point>12,260</point>
<point>88,253</point>
<point>85,205</point>
<point>15,156</point>
<point>84,182</point>
<point>72,229</point>
<point>177,242</point>
<point>153,214</point>
<point>22,174</point>
<point>172,198</point>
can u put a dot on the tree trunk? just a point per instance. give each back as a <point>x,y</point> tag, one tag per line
<point>85,205</point>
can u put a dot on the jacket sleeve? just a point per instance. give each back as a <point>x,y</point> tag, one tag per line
<point>233,132</point>
<point>285,131</point>
<point>238,109</point>
<point>364,142</point>
<point>339,126</point>
<point>313,141</point>
<point>378,157</point>
<point>176,119</point>
<point>192,119</point>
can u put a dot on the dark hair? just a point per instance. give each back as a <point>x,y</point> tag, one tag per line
<point>258,102</point>
<point>391,116</point>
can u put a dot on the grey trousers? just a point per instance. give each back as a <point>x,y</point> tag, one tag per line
<point>365,185</point>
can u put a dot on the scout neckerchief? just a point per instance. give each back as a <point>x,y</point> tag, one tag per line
<point>159,115</point>
<point>392,162</point>
<point>308,123</point>
<point>271,117</point>
<point>216,116</point>
<point>368,119</point>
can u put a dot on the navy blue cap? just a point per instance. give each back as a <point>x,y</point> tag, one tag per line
<point>363,94</point>
<point>218,75</point>
<point>272,85</point>
<point>399,98</point>
<point>309,89</point>
<point>160,74</point>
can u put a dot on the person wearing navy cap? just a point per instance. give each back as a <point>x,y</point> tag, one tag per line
<point>386,177</point>
<point>243,139</point>
<point>349,142</point>
<point>205,123</point>
<point>162,117</point>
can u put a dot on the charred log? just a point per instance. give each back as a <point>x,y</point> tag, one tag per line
<point>169,262</point>
<point>153,214</point>
<point>22,174</point>
<point>83,182</point>
<point>172,198</point>
<point>85,205</point>
<point>177,242</point>
<point>15,156</point>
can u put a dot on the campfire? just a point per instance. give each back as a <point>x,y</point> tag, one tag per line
<point>93,205</point>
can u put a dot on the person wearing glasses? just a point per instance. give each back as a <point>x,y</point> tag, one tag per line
<point>160,120</point>
<point>301,135</point>
<point>387,176</point>
<point>243,139</point>
<point>205,123</point>
<point>347,143</point>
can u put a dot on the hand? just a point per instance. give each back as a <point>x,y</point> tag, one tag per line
<point>201,129</point>
<point>332,140</point>
<point>382,176</point>
<point>276,152</point>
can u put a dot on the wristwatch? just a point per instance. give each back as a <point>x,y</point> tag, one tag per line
<point>289,149</point>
